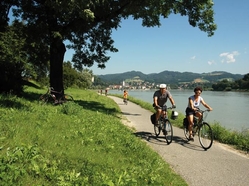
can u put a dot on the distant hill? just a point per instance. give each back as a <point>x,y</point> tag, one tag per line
<point>170,77</point>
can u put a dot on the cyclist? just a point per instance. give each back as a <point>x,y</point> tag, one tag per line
<point>160,98</point>
<point>192,109</point>
<point>125,96</point>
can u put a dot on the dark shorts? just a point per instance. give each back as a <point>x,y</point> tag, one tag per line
<point>164,107</point>
<point>189,111</point>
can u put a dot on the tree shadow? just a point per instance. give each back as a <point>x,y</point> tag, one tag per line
<point>97,106</point>
<point>11,101</point>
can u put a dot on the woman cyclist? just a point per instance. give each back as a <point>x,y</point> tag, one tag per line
<point>192,109</point>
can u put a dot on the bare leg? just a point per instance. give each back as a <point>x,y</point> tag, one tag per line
<point>158,113</point>
<point>190,126</point>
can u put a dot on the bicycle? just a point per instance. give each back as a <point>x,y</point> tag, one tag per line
<point>125,101</point>
<point>164,125</point>
<point>50,96</point>
<point>202,128</point>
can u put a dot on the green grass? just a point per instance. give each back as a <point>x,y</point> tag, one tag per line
<point>76,143</point>
<point>237,139</point>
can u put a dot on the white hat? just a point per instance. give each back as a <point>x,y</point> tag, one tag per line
<point>162,85</point>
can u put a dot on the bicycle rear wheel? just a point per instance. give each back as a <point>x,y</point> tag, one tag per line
<point>186,133</point>
<point>45,98</point>
<point>205,136</point>
<point>157,129</point>
<point>168,132</point>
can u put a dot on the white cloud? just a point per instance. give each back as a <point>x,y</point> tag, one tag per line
<point>229,57</point>
<point>211,62</point>
<point>193,57</point>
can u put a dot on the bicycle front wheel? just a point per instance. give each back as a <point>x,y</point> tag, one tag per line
<point>68,97</point>
<point>65,98</point>
<point>205,136</point>
<point>168,131</point>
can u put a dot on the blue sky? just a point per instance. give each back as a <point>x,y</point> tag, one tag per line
<point>177,46</point>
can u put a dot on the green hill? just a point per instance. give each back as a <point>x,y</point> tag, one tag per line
<point>171,77</point>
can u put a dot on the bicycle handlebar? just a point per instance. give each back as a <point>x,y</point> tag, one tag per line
<point>165,107</point>
<point>202,111</point>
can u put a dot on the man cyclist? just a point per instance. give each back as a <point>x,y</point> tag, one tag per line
<point>160,98</point>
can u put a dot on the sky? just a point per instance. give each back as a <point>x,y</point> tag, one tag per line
<point>177,46</point>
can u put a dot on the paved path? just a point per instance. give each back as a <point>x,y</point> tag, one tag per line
<point>218,166</point>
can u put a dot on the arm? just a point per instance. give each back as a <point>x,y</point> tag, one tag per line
<point>206,105</point>
<point>172,101</point>
<point>155,102</point>
<point>191,103</point>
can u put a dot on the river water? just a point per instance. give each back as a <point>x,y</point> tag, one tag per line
<point>230,109</point>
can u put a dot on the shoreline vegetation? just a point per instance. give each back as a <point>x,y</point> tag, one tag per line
<point>81,143</point>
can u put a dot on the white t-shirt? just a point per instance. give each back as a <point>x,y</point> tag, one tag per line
<point>196,103</point>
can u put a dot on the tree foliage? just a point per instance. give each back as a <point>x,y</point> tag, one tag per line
<point>240,84</point>
<point>12,60</point>
<point>88,26</point>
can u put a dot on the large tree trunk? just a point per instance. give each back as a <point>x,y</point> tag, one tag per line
<point>57,52</point>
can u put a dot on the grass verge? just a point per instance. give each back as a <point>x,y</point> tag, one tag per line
<point>76,143</point>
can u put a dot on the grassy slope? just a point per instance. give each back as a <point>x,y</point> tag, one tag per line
<point>80,143</point>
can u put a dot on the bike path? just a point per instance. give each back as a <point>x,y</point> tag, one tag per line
<point>218,166</point>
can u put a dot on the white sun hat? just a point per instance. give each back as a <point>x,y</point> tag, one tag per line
<point>162,85</point>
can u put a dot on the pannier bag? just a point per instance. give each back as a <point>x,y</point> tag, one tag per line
<point>185,123</point>
<point>153,118</point>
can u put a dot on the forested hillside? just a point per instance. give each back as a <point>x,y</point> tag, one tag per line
<point>171,77</point>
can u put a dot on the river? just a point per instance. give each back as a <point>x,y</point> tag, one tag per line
<point>229,108</point>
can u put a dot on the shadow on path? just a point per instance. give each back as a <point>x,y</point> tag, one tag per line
<point>160,140</point>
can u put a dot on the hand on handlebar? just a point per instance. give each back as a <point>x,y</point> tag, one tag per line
<point>173,106</point>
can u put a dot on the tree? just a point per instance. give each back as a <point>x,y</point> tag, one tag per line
<point>88,25</point>
<point>85,79</point>
<point>246,77</point>
<point>70,75</point>
<point>13,60</point>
